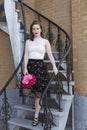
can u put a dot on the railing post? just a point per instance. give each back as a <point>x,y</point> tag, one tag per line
<point>6,118</point>
<point>5,111</point>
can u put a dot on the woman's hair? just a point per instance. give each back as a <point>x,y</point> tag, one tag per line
<point>31,37</point>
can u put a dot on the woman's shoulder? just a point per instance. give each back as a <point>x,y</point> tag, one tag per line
<point>46,40</point>
<point>28,41</point>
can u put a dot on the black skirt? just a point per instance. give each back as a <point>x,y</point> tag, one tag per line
<point>39,69</point>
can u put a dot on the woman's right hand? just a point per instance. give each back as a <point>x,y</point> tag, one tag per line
<point>55,70</point>
<point>25,71</point>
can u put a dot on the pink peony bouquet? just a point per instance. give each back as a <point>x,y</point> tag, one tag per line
<point>28,81</point>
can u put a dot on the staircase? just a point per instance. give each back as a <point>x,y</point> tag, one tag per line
<point>25,115</point>
<point>25,112</point>
<point>60,98</point>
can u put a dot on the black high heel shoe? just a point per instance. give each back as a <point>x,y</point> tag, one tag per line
<point>35,121</point>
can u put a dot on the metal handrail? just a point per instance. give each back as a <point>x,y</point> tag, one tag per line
<point>47,19</point>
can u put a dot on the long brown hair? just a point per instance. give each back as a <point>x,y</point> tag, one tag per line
<point>31,37</point>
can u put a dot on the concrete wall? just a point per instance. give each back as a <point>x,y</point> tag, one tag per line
<point>1,1</point>
<point>80,104</point>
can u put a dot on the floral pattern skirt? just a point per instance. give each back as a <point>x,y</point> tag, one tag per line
<point>39,69</point>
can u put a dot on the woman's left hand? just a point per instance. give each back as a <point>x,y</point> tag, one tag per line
<point>55,70</point>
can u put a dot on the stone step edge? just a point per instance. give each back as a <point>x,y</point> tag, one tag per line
<point>26,124</point>
<point>64,97</point>
<point>29,108</point>
<point>71,83</point>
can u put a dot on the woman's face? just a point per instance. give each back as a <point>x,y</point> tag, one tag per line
<point>36,30</point>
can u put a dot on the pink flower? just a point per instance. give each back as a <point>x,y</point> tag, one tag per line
<point>28,81</point>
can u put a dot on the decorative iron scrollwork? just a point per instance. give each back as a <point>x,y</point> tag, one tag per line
<point>50,36</point>
<point>6,110</point>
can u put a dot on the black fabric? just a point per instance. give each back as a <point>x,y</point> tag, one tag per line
<point>39,69</point>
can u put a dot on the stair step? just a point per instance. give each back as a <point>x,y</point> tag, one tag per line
<point>22,31</point>
<point>19,20</point>
<point>61,71</point>
<point>54,52</point>
<point>55,112</point>
<point>65,86</point>
<point>26,124</point>
<point>55,55</point>
<point>64,97</point>
<point>17,10</point>
<point>15,0</point>
<point>56,61</point>
<point>72,83</point>
<point>67,97</point>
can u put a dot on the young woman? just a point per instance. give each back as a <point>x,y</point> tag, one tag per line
<point>35,49</point>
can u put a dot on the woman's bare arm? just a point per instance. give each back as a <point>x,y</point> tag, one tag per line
<point>26,58</point>
<point>49,52</point>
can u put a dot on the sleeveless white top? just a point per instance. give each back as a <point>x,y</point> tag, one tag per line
<point>36,48</point>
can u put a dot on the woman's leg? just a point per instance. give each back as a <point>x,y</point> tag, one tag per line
<point>37,109</point>
<point>37,105</point>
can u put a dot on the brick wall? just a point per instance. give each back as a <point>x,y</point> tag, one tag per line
<point>79,36</point>
<point>58,11</point>
<point>30,3</point>
<point>28,14</point>
<point>6,60</point>
<point>1,1</point>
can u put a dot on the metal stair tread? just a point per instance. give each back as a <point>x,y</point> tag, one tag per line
<point>27,124</point>
<point>24,123</point>
<point>17,10</point>
<point>61,71</point>
<point>56,61</point>
<point>28,108</point>
<point>64,97</point>
<point>67,97</point>
<point>65,82</point>
<point>54,52</point>
<point>21,30</point>
<point>15,0</point>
